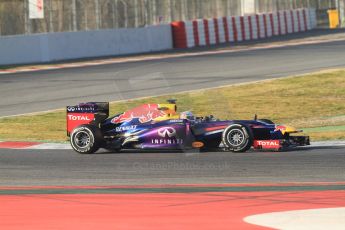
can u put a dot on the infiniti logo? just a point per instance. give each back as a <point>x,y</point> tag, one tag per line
<point>70,109</point>
<point>167,132</point>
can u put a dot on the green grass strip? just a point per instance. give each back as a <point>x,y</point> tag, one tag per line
<point>325,129</point>
<point>313,100</point>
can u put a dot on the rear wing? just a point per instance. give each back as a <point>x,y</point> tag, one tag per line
<point>86,113</point>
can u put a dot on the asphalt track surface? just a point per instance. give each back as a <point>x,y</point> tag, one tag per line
<point>45,90</point>
<point>65,167</point>
<point>190,207</point>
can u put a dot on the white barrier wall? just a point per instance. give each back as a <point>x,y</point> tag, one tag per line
<point>39,48</point>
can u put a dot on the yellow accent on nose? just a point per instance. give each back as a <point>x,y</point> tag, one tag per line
<point>290,129</point>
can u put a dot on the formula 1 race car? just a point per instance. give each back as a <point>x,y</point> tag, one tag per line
<point>160,127</point>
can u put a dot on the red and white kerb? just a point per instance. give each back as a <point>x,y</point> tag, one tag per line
<point>204,32</point>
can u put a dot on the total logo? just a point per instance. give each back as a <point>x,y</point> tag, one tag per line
<point>167,132</point>
<point>268,143</point>
<point>78,118</point>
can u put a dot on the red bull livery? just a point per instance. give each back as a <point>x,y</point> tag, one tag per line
<point>160,127</point>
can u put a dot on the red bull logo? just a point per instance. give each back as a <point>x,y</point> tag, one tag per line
<point>144,113</point>
<point>280,128</point>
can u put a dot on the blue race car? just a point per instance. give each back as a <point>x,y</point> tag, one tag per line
<point>160,127</point>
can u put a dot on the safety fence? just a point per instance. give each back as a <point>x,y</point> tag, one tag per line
<point>202,32</point>
<point>85,15</point>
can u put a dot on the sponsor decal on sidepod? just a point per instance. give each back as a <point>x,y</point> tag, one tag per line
<point>168,136</point>
<point>126,128</point>
<point>167,132</point>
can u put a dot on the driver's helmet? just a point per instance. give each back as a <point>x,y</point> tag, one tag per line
<point>187,115</point>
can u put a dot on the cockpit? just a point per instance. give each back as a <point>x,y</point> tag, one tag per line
<point>187,115</point>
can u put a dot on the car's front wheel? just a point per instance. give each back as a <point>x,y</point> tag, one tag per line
<point>237,138</point>
<point>86,139</point>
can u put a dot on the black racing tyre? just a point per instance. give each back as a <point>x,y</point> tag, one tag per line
<point>86,139</point>
<point>267,121</point>
<point>238,138</point>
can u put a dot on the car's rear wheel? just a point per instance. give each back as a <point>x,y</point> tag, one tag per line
<point>86,139</point>
<point>237,138</point>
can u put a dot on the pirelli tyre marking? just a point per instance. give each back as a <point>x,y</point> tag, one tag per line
<point>83,139</point>
<point>237,138</point>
